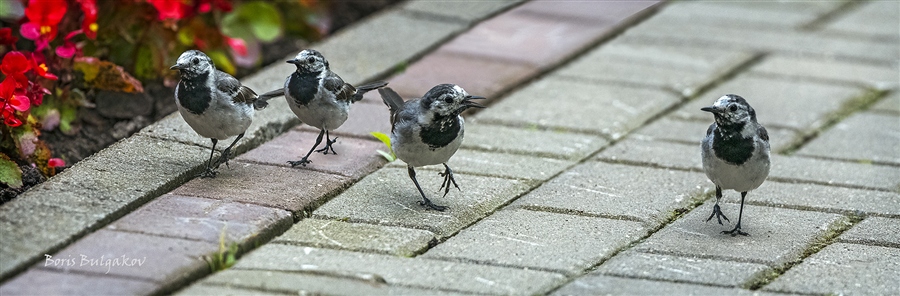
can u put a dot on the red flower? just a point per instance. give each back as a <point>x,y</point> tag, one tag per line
<point>43,17</point>
<point>40,67</point>
<point>14,65</point>
<point>68,49</point>
<point>207,5</point>
<point>6,37</point>
<point>170,9</point>
<point>36,92</point>
<point>9,102</point>
<point>56,162</point>
<point>89,24</point>
<point>237,44</point>
<point>9,117</point>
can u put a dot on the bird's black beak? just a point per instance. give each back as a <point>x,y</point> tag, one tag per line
<point>176,67</point>
<point>293,61</point>
<point>469,104</point>
<point>711,109</point>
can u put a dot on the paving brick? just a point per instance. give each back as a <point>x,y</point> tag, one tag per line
<point>355,158</point>
<point>476,74</point>
<point>748,15</point>
<point>608,285</point>
<point>364,119</point>
<point>805,7</point>
<point>589,107</point>
<point>499,165</point>
<point>862,137</point>
<point>168,261</point>
<point>531,141</point>
<point>223,290</point>
<point>779,102</point>
<point>880,76</point>
<point>390,198</point>
<point>891,104</point>
<point>612,190</point>
<point>844,269</point>
<point>357,237</point>
<point>876,19</point>
<point>874,230</point>
<point>468,11</point>
<point>205,219</point>
<point>777,236</point>
<point>46,282</point>
<point>684,70</point>
<point>682,269</point>
<point>598,13</point>
<point>94,191</point>
<point>290,189</point>
<point>382,43</point>
<point>637,151</point>
<point>693,131</point>
<point>826,198</point>
<point>710,33</point>
<point>409,272</point>
<point>540,240</point>
<point>527,38</point>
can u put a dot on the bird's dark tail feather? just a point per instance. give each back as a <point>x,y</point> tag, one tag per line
<point>391,99</point>
<point>272,94</point>
<point>361,90</point>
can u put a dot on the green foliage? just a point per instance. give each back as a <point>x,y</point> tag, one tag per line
<point>253,20</point>
<point>10,173</point>
<point>390,156</point>
<point>225,257</point>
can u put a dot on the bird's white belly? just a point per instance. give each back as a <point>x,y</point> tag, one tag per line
<point>219,122</point>
<point>416,153</point>
<point>748,176</point>
<point>320,114</point>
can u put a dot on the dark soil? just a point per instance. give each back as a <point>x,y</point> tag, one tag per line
<point>117,115</point>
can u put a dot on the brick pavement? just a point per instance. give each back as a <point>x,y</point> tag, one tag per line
<point>582,177</point>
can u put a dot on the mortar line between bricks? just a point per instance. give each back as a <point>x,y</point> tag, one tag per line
<point>849,107</point>
<point>687,282</point>
<point>838,159</point>
<point>495,264</point>
<point>268,164</point>
<point>252,288</point>
<point>378,280</point>
<point>814,209</point>
<point>331,247</point>
<point>555,210</point>
<point>869,243</point>
<point>762,74</point>
<point>97,274</point>
<point>817,23</point>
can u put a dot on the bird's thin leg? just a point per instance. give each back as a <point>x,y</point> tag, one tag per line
<point>305,159</point>
<point>210,173</point>
<point>329,144</point>
<point>717,212</point>
<point>425,201</point>
<point>448,178</point>
<point>226,154</point>
<point>737,228</point>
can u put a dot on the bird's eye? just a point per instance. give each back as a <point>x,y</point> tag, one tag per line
<point>448,100</point>
<point>195,61</point>
<point>733,108</point>
<point>310,60</point>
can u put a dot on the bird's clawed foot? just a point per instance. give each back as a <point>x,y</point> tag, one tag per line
<point>426,202</point>
<point>329,143</point>
<point>209,173</point>
<point>736,231</point>
<point>224,158</point>
<point>302,162</point>
<point>448,179</point>
<point>717,212</point>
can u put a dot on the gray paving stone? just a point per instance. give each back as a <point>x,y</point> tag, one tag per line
<point>882,76</point>
<point>875,18</point>
<point>357,237</point>
<point>777,236</point>
<point>463,10</point>
<point>310,282</point>
<point>699,32</point>
<point>806,7</point>
<point>376,46</point>
<point>410,272</point>
<point>609,285</point>
<point>890,104</point>
<point>531,141</point>
<point>46,282</point>
<point>89,194</point>
<point>611,190</point>
<point>693,131</point>
<point>205,219</point>
<point>779,102</point>
<point>682,269</point>
<point>609,109</point>
<point>825,198</point>
<point>748,15</point>
<point>844,269</point>
<point>499,165</point>
<point>874,230</point>
<point>684,70</point>
<point>864,137</point>
<point>390,198</point>
<point>540,240</point>
<point>636,151</point>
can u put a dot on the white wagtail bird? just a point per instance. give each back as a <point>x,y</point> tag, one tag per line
<point>319,97</point>
<point>429,130</point>
<point>213,103</point>
<point>735,152</point>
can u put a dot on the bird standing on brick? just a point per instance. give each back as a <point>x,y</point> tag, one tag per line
<point>735,152</point>
<point>213,103</point>
<point>319,97</point>
<point>429,130</point>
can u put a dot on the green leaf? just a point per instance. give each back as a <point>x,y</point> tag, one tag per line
<point>390,157</point>
<point>222,62</point>
<point>383,138</point>
<point>253,20</point>
<point>10,173</point>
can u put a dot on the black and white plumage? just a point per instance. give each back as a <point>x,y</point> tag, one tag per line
<point>213,103</point>
<point>735,152</point>
<point>319,97</point>
<point>429,130</point>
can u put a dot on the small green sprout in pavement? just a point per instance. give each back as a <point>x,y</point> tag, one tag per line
<point>387,142</point>
<point>225,257</point>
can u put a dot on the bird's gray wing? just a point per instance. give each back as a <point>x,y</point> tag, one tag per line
<point>342,91</point>
<point>711,128</point>
<point>763,134</point>
<point>240,94</point>
<point>391,99</point>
